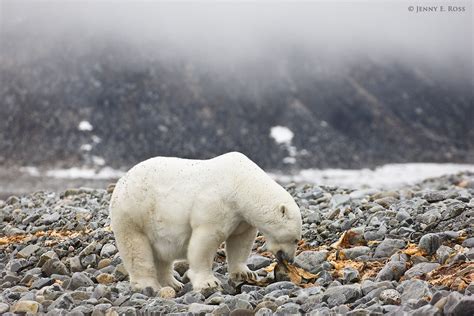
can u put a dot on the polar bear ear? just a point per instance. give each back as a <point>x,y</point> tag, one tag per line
<point>283,210</point>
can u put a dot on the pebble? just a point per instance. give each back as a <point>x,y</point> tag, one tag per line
<point>108,250</point>
<point>311,260</point>
<point>167,292</point>
<point>390,297</point>
<point>255,262</point>
<point>54,266</point>
<point>26,306</point>
<point>388,247</point>
<point>99,284</point>
<point>28,251</point>
<point>414,289</point>
<point>429,243</point>
<point>421,269</point>
<point>352,253</point>
<point>105,278</point>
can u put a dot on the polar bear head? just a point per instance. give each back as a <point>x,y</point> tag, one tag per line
<point>284,230</point>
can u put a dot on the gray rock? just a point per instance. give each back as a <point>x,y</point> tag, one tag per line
<point>54,266</point>
<point>402,215</point>
<point>75,264</point>
<point>414,289</point>
<point>50,218</point>
<point>429,217</point>
<point>120,273</point>
<point>455,208</point>
<point>390,297</point>
<point>429,243</point>
<point>4,307</point>
<point>264,312</point>
<point>311,260</point>
<point>469,243</point>
<point>283,285</point>
<point>452,300</point>
<point>435,196</point>
<point>427,310</point>
<point>387,201</point>
<point>352,253</point>
<point>64,301</point>
<point>342,294</point>
<point>444,253</point>
<point>16,265</point>
<point>79,279</point>
<point>89,260</point>
<point>339,199</point>
<point>421,269</point>
<point>266,305</point>
<point>46,257</point>
<point>350,275</point>
<point>89,249</point>
<point>236,303</point>
<point>465,306</point>
<point>288,309</point>
<point>255,262</point>
<point>42,282</point>
<point>27,251</point>
<point>388,247</point>
<point>193,297</point>
<point>108,250</point>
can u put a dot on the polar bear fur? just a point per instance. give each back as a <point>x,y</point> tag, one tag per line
<point>165,209</point>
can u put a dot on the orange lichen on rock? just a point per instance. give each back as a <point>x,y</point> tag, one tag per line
<point>347,239</point>
<point>56,235</point>
<point>366,269</point>
<point>413,250</point>
<point>457,276</point>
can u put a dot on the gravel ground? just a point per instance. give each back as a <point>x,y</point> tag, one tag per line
<point>364,252</point>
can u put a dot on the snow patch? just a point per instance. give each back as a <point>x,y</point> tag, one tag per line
<point>281,134</point>
<point>85,126</point>
<point>85,173</point>
<point>86,147</point>
<point>32,171</point>
<point>390,176</point>
<point>99,161</point>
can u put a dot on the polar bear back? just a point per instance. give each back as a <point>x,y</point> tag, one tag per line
<point>165,189</point>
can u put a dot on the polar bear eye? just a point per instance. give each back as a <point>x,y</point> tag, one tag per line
<point>296,241</point>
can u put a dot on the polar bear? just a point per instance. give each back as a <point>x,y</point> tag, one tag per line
<point>165,209</point>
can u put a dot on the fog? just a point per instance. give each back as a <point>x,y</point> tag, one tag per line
<point>236,35</point>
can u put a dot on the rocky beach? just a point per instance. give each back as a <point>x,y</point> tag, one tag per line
<point>363,252</point>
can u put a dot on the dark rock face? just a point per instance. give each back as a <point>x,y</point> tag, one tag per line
<point>141,103</point>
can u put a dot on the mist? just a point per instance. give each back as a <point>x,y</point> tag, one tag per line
<point>231,35</point>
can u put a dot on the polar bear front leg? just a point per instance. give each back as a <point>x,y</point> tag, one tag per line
<point>238,248</point>
<point>165,275</point>
<point>201,251</point>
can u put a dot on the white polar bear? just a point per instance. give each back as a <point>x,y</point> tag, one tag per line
<point>166,209</point>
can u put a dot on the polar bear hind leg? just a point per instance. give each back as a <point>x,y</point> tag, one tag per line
<point>201,251</point>
<point>238,248</point>
<point>137,256</point>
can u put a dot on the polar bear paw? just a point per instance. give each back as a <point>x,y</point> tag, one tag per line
<point>204,283</point>
<point>244,274</point>
<point>175,284</point>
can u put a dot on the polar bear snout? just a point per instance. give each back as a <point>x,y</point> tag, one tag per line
<point>283,256</point>
<point>282,251</point>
